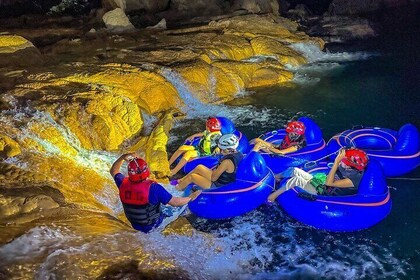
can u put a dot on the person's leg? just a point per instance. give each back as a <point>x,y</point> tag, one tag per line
<point>309,188</point>
<point>203,171</point>
<point>175,155</point>
<point>183,161</point>
<point>199,169</point>
<point>195,178</point>
<point>181,150</point>
<point>288,172</point>
<point>276,194</point>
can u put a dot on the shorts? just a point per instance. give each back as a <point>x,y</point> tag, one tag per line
<point>190,152</point>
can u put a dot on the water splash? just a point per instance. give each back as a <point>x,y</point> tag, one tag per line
<point>313,53</point>
<point>322,63</point>
<point>264,244</point>
<point>193,106</point>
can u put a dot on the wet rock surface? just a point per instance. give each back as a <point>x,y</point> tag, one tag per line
<point>98,93</point>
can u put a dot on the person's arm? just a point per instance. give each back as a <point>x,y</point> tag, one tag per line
<point>225,165</point>
<point>272,197</point>
<point>262,145</point>
<point>180,201</point>
<point>291,149</point>
<point>116,166</point>
<point>342,183</point>
<point>200,134</point>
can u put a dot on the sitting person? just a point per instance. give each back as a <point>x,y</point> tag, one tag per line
<point>142,197</point>
<point>206,146</point>
<point>293,141</point>
<point>343,179</point>
<point>347,172</point>
<point>225,171</point>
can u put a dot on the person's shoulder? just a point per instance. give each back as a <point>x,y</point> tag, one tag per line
<point>157,186</point>
<point>119,178</point>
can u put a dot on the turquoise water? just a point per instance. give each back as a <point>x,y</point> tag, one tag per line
<point>373,83</point>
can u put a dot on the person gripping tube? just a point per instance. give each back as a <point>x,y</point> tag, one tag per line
<point>292,141</point>
<point>206,146</point>
<point>142,197</point>
<point>343,178</point>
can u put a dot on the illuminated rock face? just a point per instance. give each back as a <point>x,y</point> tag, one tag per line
<point>99,97</point>
<point>16,50</point>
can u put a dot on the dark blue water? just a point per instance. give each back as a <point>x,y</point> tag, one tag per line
<point>380,90</point>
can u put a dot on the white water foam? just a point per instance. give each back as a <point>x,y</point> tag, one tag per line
<point>322,63</point>
<point>193,106</point>
<point>260,245</point>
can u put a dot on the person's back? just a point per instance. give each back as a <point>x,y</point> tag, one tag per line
<point>229,177</point>
<point>141,197</point>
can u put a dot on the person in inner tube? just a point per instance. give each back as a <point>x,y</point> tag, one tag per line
<point>343,179</point>
<point>142,197</point>
<point>206,146</point>
<point>346,173</point>
<point>224,173</point>
<point>292,141</point>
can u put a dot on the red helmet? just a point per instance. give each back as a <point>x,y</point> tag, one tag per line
<point>356,158</point>
<point>138,170</point>
<point>296,127</point>
<point>213,124</point>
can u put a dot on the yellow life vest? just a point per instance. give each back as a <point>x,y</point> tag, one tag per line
<point>208,142</point>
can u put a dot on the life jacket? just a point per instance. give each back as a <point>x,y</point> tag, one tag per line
<point>227,178</point>
<point>208,142</point>
<point>287,142</point>
<point>135,199</point>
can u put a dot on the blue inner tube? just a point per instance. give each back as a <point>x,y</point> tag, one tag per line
<point>314,150</point>
<point>368,207</point>
<point>397,151</point>
<point>254,183</point>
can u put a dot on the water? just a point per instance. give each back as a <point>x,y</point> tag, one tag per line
<point>372,83</point>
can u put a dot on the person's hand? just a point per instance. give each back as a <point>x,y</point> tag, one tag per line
<point>194,195</point>
<point>340,156</point>
<point>130,156</point>
<point>256,147</point>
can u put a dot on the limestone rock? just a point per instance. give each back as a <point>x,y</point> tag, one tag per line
<point>17,51</point>
<point>257,6</point>
<point>344,7</point>
<point>198,7</point>
<point>149,6</point>
<point>283,53</point>
<point>22,205</point>
<point>8,147</point>
<point>116,20</point>
<point>342,28</point>
<point>160,25</point>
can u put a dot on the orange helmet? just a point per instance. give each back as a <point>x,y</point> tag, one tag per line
<point>138,170</point>
<point>356,158</point>
<point>213,124</point>
<point>296,127</point>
